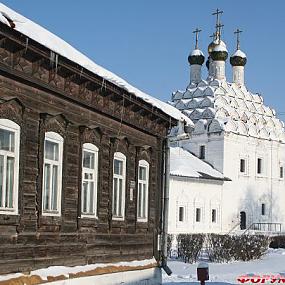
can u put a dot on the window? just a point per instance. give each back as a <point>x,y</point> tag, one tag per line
<point>214,215</point>
<point>119,182</point>
<point>242,165</point>
<point>263,209</point>
<point>143,177</point>
<point>89,180</point>
<point>198,215</point>
<point>9,166</point>
<point>52,174</point>
<point>259,166</point>
<point>181,214</point>
<point>281,172</point>
<point>202,152</point>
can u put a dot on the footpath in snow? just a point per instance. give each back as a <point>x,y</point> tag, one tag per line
<point>273,263</point>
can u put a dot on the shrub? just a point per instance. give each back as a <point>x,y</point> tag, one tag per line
<point>277,242</point>
<point>189,246</point>
<point>248,247</point>
<point>219,248</point>
<point>225,248</point>
<point>170,238</point>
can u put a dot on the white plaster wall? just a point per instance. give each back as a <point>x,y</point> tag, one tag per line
<point>214,151</point>
<point>150,276</point>
<point>191,194</point>
<point>246,192</point>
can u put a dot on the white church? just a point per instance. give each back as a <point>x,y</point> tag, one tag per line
<point>229,175</point>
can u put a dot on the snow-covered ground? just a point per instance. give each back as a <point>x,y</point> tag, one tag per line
<point>272,263</point>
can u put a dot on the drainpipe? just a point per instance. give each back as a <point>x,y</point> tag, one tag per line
<point>165,207</point>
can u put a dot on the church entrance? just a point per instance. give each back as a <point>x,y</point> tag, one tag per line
<point>242,220</point>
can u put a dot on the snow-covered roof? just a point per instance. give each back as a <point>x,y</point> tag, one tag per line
<point>62,48</point>
<point>237,109</point>
<point>185,164</point>
<point>239,53</point>
<point>196,52</point>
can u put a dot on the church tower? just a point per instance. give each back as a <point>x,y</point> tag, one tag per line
<point>237,134</point>
<point>196,60</point>
<point>238,61</point>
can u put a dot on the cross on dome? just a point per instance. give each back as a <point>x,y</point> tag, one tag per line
<point>196,32</point>
<point>237,33</point>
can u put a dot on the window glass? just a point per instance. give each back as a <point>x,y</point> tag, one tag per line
<point>242,165</point>
<point>198,215</point>
<point>281,172</point>
<point>52,174</point>
<point>88,159</point>
<point>119,182</point>
<point>51,150</point>
<point>118,167</point>
<point>9,165</point>
<point>7,140</point>
<point>214,215</point>
<point>181,214</point>
<point>202,152</point>
<point>89,180</point>
<point>262,209</point>
<point>259,165</point>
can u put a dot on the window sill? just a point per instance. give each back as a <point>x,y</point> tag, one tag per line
<point>90,217</point>
<point>8,212</point>
<point>142,220</point>
<point>118,218</point>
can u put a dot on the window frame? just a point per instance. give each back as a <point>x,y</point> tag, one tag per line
<point>89,147</point>
<point>262,172</point>
<point>121,157</point>
<point>55,138</point>
<point>143,163</point>
<point>184,214</point>
<point>202,154</point>
<point>11,126</point>
<point>281,166</point>
<point>216,215</point>
<point>200,214</point>
<point>263,209</point>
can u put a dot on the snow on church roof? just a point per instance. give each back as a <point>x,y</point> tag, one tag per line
<point>62,48</point>
<point>185,164</point>
<point>235,108</point>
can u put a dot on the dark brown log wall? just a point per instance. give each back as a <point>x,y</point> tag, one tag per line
<point>30,240</point>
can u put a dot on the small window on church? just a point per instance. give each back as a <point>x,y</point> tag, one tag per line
<point>259,166</point>
<point>198,215</point>
<point>242,165</point>
<point>202,152</point>
<point>263,209</point>
<point>181,214</point>
<point>281,172</point>
<point>214,215</point>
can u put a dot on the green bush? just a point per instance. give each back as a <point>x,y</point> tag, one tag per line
<point>189,246</point>
<point>225,248</point>
<point>277,242</point>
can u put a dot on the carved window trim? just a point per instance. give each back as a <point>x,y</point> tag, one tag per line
<point>91,148</point>
<point>57,139</point>
<point>11,126</point>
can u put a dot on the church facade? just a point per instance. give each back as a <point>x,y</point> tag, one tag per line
<point>240,136</point>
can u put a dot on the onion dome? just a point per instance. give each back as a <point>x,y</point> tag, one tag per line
<point>196,57</point>
<point>238,58</point>
<point>218,51</point>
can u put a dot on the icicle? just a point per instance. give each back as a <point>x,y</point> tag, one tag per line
<point>52,58</point>
<point>56,62</point>
<point>103,84</point>
<point>26,45</point>
<point>81,72</point>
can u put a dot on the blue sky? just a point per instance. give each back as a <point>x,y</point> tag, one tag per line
<point>147,42</point>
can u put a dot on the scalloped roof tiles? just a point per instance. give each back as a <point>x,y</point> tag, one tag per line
<point>235,108</point>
